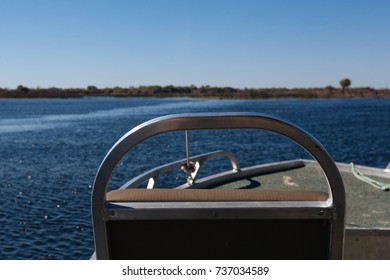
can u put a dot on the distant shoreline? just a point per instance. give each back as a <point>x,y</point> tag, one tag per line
<point>195,92</point>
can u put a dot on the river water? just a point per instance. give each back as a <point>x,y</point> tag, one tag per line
<point>51,149</point>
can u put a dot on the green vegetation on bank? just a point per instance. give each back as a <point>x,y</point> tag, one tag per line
<point>198,92</point>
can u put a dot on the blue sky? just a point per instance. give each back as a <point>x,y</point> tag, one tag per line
<point>242,43</point>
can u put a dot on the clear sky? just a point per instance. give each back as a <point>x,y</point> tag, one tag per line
<point>242,43</point>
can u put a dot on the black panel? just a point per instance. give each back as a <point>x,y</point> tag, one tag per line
<point>219,239</point>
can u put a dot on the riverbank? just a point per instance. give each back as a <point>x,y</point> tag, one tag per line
<point>195,92</point>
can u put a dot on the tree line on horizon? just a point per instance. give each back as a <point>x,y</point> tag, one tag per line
<point>197,92</point>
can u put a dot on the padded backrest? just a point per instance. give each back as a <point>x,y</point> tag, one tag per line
<point>197,195</point>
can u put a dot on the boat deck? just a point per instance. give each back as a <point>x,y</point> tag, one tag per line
<point>367,206</point>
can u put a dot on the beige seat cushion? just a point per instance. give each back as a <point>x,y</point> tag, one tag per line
<point>192,195</point>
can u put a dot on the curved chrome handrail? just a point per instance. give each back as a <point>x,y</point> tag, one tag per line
<point>208,121</point>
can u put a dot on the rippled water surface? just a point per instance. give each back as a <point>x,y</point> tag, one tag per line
<point>51,148</point>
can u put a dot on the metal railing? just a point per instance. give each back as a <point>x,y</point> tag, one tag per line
<point>209,122</point>
<point>198,161</point>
